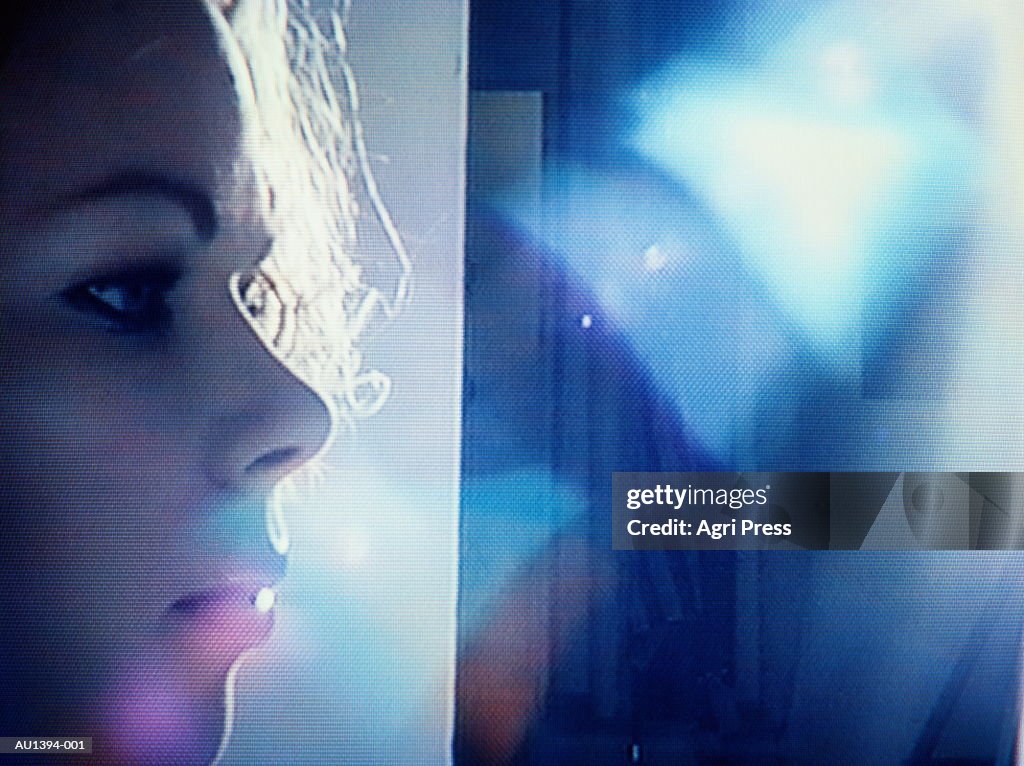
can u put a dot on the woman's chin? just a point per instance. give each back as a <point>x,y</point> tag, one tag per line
<point>162,716</point>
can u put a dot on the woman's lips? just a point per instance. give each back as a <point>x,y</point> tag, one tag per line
<point>202,599</point>
<point>221,621</point>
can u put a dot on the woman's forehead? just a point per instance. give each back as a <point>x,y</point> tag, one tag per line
<point>113,87</point>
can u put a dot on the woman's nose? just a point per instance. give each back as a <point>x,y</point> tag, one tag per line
<point>266,422</point>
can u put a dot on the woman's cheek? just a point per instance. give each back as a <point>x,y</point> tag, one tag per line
<point>88,451</point>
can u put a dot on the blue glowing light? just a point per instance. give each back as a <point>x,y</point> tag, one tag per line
<point>828,171</point>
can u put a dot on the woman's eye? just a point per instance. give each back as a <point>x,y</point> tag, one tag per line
<point>134,302</point>
<point>257,296</point>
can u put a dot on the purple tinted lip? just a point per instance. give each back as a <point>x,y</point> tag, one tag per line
<point>203,599</point>
<point>218,623</point>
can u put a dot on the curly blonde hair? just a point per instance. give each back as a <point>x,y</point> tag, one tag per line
<point>309,299</point>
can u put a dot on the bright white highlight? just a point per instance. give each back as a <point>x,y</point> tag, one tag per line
<point>353,549</point>
<point>845,74</point>
<point>819,179</point>
<point>654,258</point>
<point>799,191</point>
<point>265,600</point>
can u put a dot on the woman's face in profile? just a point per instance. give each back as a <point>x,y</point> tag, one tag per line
<point>144,424</point>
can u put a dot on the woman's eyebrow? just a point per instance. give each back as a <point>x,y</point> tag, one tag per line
<point>191,196</point>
